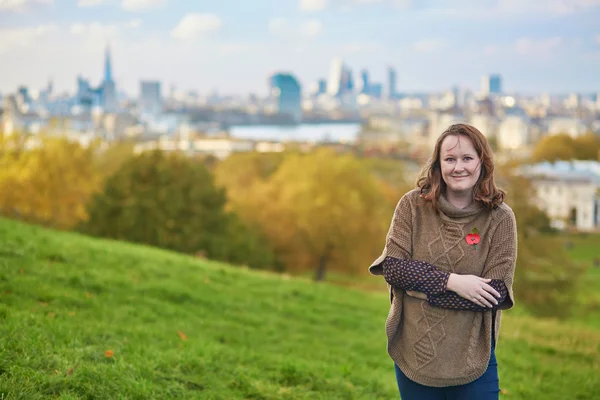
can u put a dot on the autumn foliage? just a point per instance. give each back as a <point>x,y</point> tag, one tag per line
<point>48,181</point>
<point>564,147</point>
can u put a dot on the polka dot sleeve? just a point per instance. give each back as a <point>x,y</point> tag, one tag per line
<point>415,275</point>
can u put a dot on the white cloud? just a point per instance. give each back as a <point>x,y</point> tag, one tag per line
<point>312,5</point>
<point>141,5</point>
<point>90,3</point>
<point>427,45</point>
<point>22,37</point>
<point>311,28</point>
<point>94,29</point>
<point>134,23</point>
<point>194,25</point>
<point>20,5</point>
<point>539,47</point>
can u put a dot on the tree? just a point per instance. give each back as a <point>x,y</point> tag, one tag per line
<point>587,147</point>
<point>170,201</point>
<point>240,173</point>
<point>392,177</point>
<point>322,210</point>
<point>554,148</point>
<point>48,184</point>
<point>564,147</point>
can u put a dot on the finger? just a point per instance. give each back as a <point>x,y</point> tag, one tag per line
<point>485,301</point>
<point>479,301</point>
<point>486,280</point>
<point>491,290</point>
<point>489,297</point>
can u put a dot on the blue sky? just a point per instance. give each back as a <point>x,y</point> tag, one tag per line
<point>233,45</point>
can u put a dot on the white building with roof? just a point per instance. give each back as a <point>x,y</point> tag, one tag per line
<point>569,192</point>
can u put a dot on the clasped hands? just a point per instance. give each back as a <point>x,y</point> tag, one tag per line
<point>470,287</point>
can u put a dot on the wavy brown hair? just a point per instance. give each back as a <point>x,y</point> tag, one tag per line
<point>432,185</point>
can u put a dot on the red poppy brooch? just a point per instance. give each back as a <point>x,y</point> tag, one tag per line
<point>473,238</point>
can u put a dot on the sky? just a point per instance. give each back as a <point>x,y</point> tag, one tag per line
<point>232,46</point>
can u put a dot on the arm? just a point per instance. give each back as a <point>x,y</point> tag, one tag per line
<point>415,275</point>
<point>502,260</point>
<point>425,281</point>
<point>453,301</point>
<point>499,268</point>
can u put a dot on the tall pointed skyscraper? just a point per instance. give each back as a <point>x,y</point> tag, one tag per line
<point>107,66</point>
<point>109,90</point>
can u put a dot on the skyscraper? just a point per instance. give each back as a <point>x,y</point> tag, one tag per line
<point>364,87</point>
<point>287,94</point>
<point>150,97</point>
<point>109,90</point>
<point>391,87</point>
<point>336,72</point>
<point>491,84</point>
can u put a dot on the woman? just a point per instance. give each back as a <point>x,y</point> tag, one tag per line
<point>449,261</point>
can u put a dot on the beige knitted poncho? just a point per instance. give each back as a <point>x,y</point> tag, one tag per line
<point>436,346</point>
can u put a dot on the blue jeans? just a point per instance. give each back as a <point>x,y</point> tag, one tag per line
<point>486,387</point>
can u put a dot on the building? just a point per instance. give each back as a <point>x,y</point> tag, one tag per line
<point>364,86</point>
<point>150,97</point>
<point>514,133</point>
<point>336,72</point>
<point>286,92</point>
<point>218,147</point>
<point>491,84</point>
<point>109,90</point>
<point>568,191</point>
<point>391,83</point>
<point>573,127</point>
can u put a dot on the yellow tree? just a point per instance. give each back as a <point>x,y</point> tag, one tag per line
<point>49,184</point>
<point>554,148</point>
<point>323,210</point>
<point>239,174</point>
<point>587,147</point>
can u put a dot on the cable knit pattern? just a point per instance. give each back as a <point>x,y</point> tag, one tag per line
<point>434,345</point>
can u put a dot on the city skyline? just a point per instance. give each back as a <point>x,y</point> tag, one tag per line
<point>233,48</point>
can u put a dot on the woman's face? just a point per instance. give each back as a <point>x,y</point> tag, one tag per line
<point>460,164</point>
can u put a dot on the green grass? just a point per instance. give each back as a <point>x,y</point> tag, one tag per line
<point>65,299</point>
<point>585,250</point>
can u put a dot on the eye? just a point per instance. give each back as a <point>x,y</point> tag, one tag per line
<point>449,159</point>
<point>467,158</point>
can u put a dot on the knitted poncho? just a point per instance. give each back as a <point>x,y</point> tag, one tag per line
<point>436,346</point>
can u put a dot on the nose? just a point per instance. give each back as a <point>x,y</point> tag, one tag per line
<point>459,166</point>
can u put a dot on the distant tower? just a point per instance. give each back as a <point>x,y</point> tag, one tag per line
<point>109,90</point>
<point>107,66</point>
<point>287,94</point>
<point>150,97</point>
<point>364,86</point>
<point>491,84</point>
<point>391,89</point>
<point>336,72</point>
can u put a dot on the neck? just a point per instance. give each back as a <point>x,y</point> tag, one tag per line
<point>460,199</point>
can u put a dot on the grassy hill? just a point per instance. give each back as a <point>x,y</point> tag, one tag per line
<point>86,318</point>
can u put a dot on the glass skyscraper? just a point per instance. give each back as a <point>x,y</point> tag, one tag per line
<point>287,93</point>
